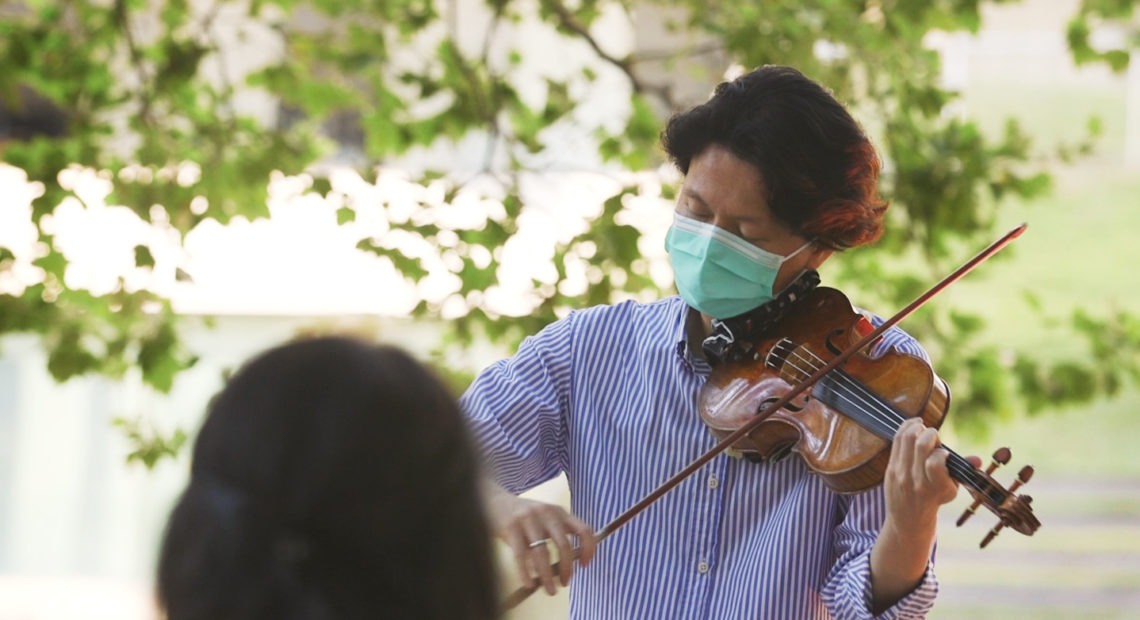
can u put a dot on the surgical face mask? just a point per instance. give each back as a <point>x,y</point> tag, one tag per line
<point>718,273</point>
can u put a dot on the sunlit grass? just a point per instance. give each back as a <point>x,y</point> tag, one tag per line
<point>1079,251</point>
<point>1093,441</point>
<point>1054,571</point>
<point>988,612</point>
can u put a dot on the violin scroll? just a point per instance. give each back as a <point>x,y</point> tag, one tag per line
<point>1012,510</point>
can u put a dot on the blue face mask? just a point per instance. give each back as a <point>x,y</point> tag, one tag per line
<point>718,273</point>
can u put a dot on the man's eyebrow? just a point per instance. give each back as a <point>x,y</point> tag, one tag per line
<point>751,216</point>
<point>692,193</point>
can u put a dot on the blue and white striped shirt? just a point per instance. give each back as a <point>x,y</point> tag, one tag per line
<point>608,396</point>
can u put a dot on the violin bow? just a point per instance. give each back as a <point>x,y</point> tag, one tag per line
<point>522,593</point>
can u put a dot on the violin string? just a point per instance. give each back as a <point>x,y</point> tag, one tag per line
<point>879,413</point>
<point>887,418</point>
<point>866,399</point>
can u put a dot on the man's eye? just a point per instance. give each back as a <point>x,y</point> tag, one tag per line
<point>696,214</point>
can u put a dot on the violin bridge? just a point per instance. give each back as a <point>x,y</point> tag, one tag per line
<point>778,355</point>
<point>790,360</point>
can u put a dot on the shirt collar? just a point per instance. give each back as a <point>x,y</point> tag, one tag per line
<point>695,362</point>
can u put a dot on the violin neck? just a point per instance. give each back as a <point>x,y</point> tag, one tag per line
<point>964,472</point>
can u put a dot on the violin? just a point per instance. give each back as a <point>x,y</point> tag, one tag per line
<point>843,424</point>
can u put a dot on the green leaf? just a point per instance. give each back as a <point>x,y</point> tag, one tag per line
<point>69,357</point>
<point>1117,60</point>
<point>149,446</point>
<point>53,262</point>
<point>160,357</point>
<point>409,267</point>
<point>143,257</point>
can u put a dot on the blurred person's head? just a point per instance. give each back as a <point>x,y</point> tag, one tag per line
<point>818,170</point>
<point>331,479</point>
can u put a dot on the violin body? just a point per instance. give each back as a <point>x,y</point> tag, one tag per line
<point>839,438</point>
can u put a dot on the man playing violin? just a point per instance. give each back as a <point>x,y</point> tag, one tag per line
<point>778,177</point>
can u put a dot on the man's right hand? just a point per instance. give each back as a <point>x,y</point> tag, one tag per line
<point>530,527</point>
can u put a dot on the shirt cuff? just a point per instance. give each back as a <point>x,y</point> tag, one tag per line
<point>917,604</point>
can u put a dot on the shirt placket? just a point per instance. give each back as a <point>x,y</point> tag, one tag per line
<point>703,560</point>
<point>708,499</point>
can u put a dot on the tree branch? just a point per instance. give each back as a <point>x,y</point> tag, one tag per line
<point>119,10</point>
<point>567,20</point>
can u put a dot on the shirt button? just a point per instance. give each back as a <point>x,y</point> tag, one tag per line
<point>713,482</point>
<point>703,567</point>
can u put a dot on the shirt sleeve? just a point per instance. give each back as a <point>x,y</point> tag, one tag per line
<point>894,338</point>
<point>847,593</point>
<point>516,409</point>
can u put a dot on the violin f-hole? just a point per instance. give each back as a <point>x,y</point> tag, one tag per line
<point>829,341</point>
<point>767,402</point>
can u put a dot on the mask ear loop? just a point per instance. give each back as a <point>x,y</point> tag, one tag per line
<point>827,246</point>
<point>807,243</point>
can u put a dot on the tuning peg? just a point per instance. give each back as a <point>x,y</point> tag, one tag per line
<point>992,534</point>
<point>1023,476</point>
<point>1001,457</point>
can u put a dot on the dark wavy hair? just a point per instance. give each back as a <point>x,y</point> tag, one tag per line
<point>331,479</point>
<point>820,170</point>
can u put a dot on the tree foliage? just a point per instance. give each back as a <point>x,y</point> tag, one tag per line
<point>156,71</point>
<point>1115,20</point>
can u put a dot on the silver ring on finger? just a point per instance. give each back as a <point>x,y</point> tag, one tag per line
<point>538,543</point>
